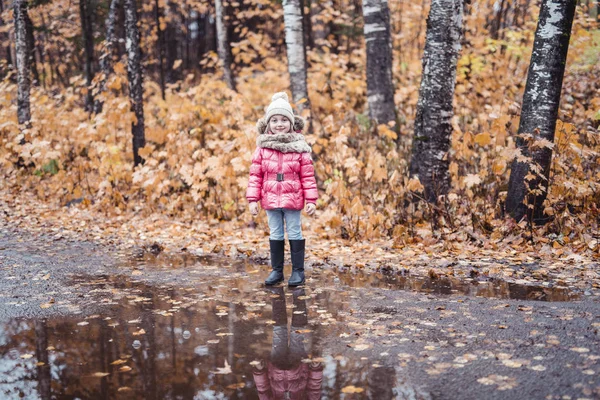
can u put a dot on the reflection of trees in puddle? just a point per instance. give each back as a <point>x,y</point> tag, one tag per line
<point>147,347</point>
<point>166,343</point>
<point>451,285</point>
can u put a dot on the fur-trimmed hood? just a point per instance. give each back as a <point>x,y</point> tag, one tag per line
<point>262,125</point>
<point>284,142</point>
<point>292,142</point>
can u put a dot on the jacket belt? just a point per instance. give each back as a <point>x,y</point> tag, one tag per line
<point>281,177</point>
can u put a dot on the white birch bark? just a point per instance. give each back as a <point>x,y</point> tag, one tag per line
<point>294,39</point>
<point>380,88</point>
<point>135,77</point>
<point>433,128</point>
<point>223,44</point>
<point>106,60</point>
<point>22,60</point>
<point>540,109</point>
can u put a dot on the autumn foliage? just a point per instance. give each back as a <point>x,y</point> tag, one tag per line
<point>201,137</point>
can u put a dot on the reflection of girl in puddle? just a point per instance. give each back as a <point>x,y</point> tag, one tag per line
<point>285,375</point>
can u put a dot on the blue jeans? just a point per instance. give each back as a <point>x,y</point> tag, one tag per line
<point>293,224</point>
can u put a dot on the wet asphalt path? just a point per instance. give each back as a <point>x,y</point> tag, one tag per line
<point>185,316</point>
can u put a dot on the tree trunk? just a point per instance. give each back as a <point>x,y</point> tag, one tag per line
<point>110,42</point>
<point>172,40</point>
<point>161,48</point>
<point>307,24</point>
<point>3,40</point>
<point>88,47</point>
<point>22,57</point>
<point>31,50</point>
<point>433,129</point>
<point>41,354</point>
<point>380,88</point>
<point>528,183</point>
<point>320,29</point>
<point>294,39</point>
<point>223,44</point>
<point>136,78</point>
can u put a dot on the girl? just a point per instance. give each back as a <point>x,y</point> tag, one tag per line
<point>282,178</point>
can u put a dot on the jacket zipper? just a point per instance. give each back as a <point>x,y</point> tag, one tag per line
<point>280,171</point>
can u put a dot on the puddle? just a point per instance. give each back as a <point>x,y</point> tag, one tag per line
<point>213,332</point>
<point>465,286</point>
<point>221,340</point>
<point>443,285</point>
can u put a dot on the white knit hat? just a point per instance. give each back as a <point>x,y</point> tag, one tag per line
<point>280,105</point>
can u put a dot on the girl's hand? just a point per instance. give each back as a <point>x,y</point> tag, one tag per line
<point>254,208</point>
<point>310,208</point>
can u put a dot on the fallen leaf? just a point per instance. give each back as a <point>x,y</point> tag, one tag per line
<point>100,374</point>
<point>223,370</point>
<point>580,349</point>
<point>237,385</point>
<point>352,389</point>
<point>512,363</point>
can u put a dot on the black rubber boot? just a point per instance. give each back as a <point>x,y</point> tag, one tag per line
<point>276,276</point>
<point>297,251</point>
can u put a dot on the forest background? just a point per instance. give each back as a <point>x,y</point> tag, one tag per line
<point>70,169</point>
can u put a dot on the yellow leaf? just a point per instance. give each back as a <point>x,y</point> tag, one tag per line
<point>483,139</point>
<point>352,389</point>
<point>236,385</point>
<point>385,131</point>
<point>100,374</point>
<point>177,63</point>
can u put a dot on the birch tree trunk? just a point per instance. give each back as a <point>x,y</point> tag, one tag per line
<point>433,129</point>
<point>528,183</point>
<point>161,47</point>
<point>88,47</point>
<point>31,50</point>
<point>380,88</point>
<point>294,39</point>
<point>110,41</point>
<point>22,57</point>
<point>223,44</point>
<point>136,78</point>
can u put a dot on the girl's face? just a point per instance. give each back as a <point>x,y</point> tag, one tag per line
<point>279,124</point>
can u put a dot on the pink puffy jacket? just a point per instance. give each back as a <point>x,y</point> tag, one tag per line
<point>294,187</point>
<point>300,383</point>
